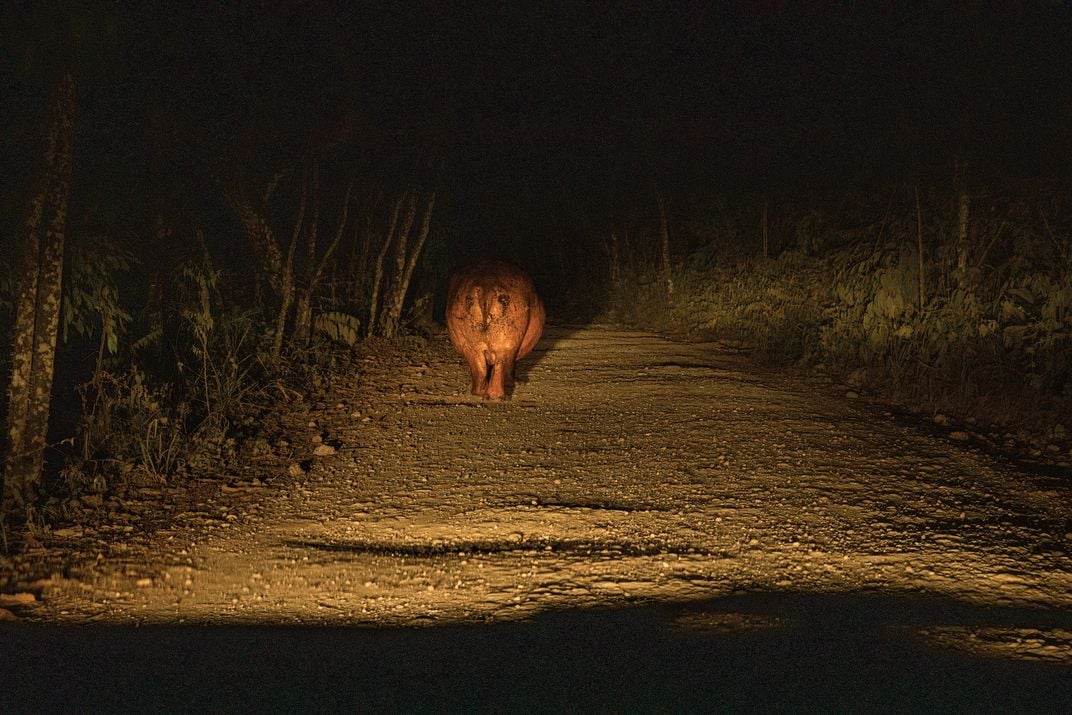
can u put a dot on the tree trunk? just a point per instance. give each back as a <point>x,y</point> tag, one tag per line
<point>615,262</point>
<point>919,250</point>
<point>963,217</point>
<point>303,311</point>
<point>355,277</point>
<point>272,266</point>
<point>393,315</point>
<point>388,319</point>
<point>286,283</point>
<point>765,230</point>
<point>377,277</point>
<point>38,312</point>
<point>664,230</point>
<point>303,322</point>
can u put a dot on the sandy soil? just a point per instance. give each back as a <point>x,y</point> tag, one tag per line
<point>628,471</point>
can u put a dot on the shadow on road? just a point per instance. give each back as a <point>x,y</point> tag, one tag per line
<point>759,652</point>
<point>552,336</point>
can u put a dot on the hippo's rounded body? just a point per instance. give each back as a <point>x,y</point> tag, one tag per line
<point>494,318</point>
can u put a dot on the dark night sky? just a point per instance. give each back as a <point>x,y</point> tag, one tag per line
<point>543,114</point>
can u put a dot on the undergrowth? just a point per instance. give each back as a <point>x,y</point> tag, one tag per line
<point>171,404</point>
<point>993,342</point>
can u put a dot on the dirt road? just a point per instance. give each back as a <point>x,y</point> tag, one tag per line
<point>672,488</point>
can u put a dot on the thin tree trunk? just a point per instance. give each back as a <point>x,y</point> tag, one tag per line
<point>37,313</point>
<point>350,271</point>
<point>766,232</point>
<point>377,276</point>
<point>388,320</point>
<point>393,316</point>
<point>615,262</point>
<point>304,320</point>
<point>919,250</point>
<point>303,312</point>
<point>963,217</point>
<point>313,235</point>
<point>356,278</point>
<point>286,287</point>
<point>664,230</point>
<point>885,219</point>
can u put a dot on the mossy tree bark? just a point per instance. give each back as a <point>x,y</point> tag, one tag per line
<point>37,312</point>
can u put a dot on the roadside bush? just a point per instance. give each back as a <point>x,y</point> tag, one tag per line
<point>207,374</point>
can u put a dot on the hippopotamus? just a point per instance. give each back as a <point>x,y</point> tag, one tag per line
<point>494,319</point>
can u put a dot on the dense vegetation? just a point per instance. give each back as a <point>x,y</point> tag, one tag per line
<point>882,292</point>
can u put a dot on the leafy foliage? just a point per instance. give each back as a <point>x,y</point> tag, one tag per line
<point>136,427</point>
<point>90,295</point>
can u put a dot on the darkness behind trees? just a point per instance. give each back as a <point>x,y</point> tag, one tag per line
<point>544,114</point>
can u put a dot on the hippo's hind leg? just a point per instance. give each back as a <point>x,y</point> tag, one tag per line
<point>496,383</point>
<point>509,371</point>
<point>501,384</point>
<point>478,371</point>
